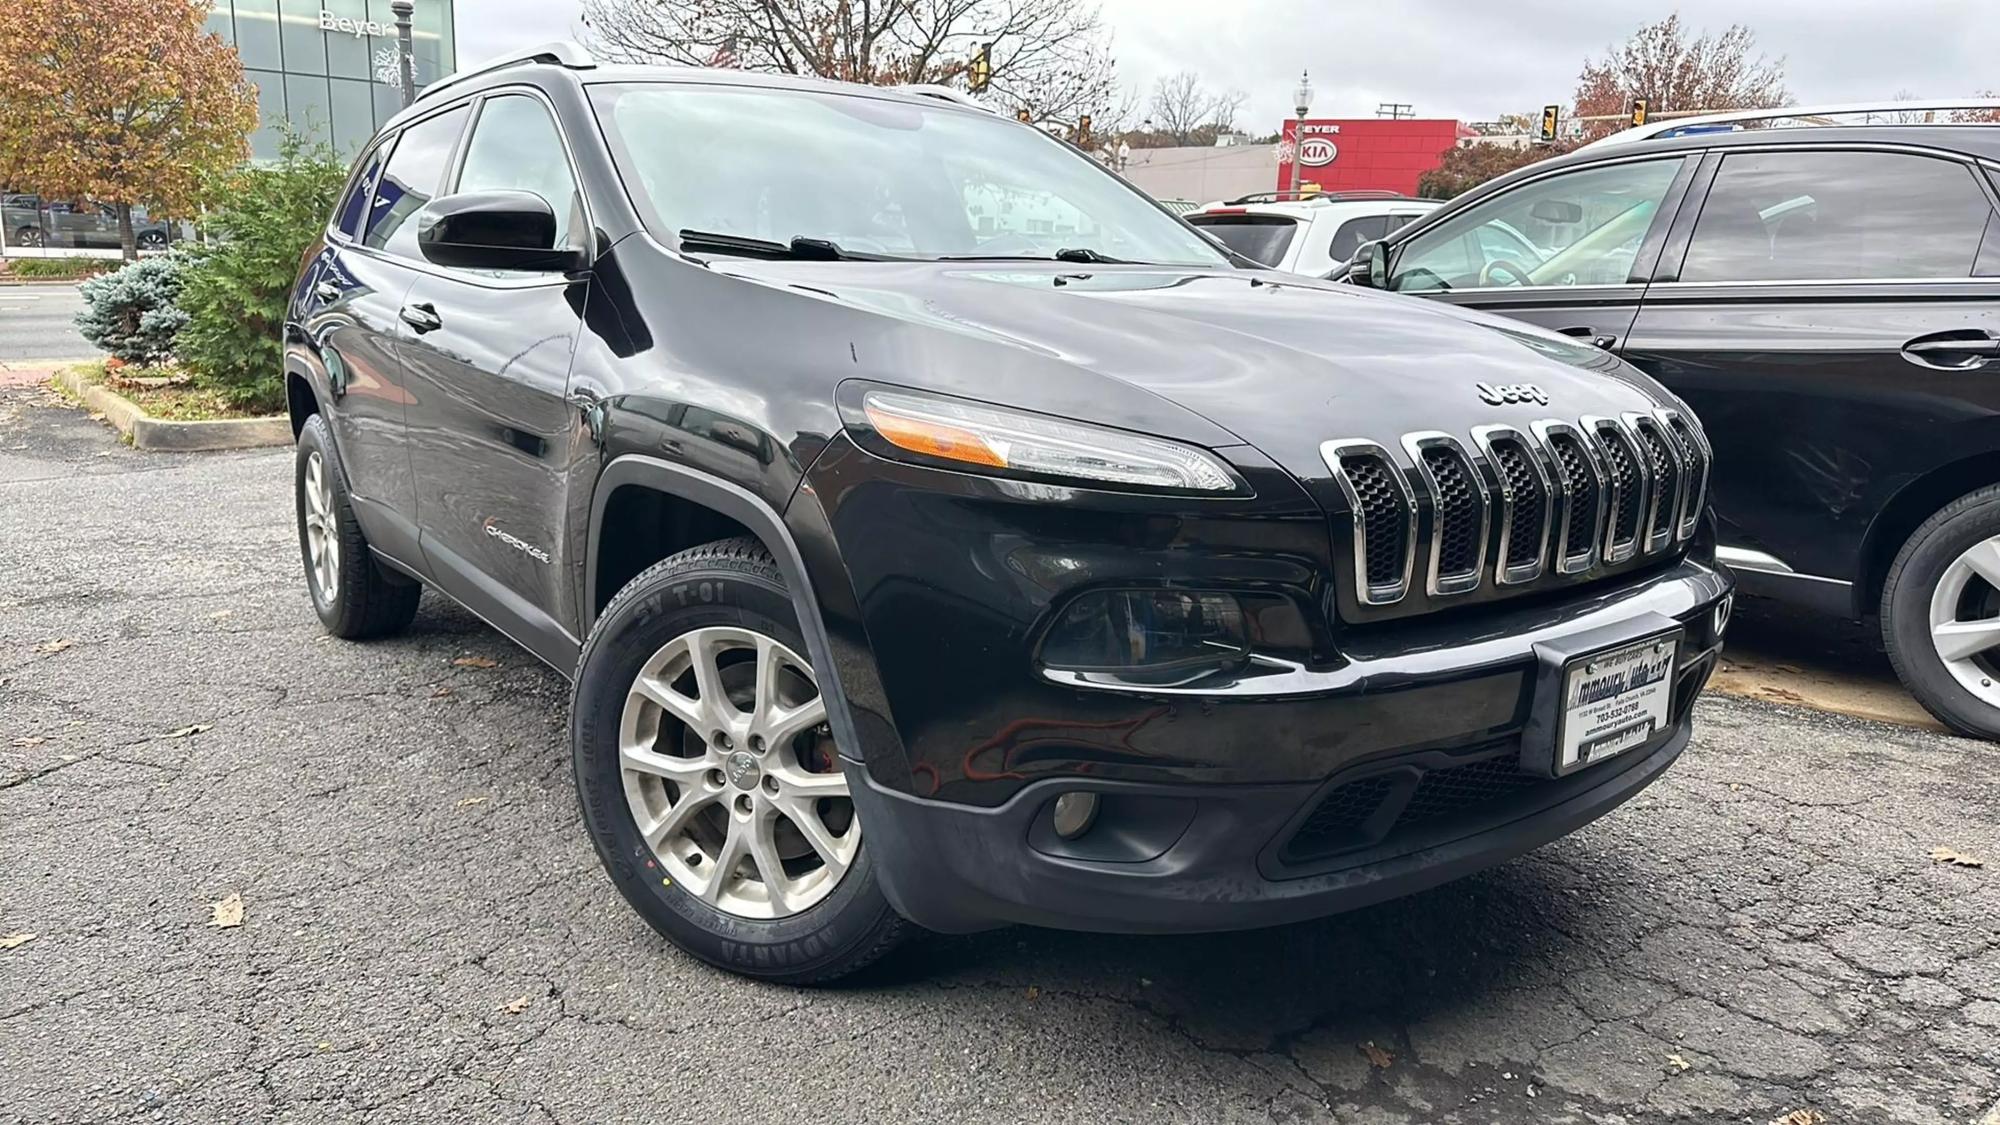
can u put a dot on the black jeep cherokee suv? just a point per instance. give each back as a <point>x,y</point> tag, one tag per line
<point>936,529</point>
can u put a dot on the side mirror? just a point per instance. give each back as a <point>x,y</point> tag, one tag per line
<point>493,230</point>
<point>1370,265</point>
<point>1557,211</point>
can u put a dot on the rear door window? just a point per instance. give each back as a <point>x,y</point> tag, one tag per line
<point>1354,232</point>
<point>1261,238</point>
<point>412,177</point>
<point>1818,216</point>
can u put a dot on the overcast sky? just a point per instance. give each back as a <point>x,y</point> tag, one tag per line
<point>1468,59</point>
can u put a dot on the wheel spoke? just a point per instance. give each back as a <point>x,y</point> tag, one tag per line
<point>1962,640</point>
<point>812,786</point>
<point>764,853</point>
<point>675,820</point>
<point>806,819</point>
<point>1984,559</point>
<point>780,727</point>
<point>686,772</point>
<point>687,710</point>
<point>716,708</point>
<point>734,847</point>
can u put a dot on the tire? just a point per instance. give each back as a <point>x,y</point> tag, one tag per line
<point>725,604</point>
<point>151,240</point>
<point>28,236</point>
<point>1937,579</point>
<point>354,597</point>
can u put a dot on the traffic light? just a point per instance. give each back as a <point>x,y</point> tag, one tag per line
<point>980,75</point>
<point>1638,112</point>
<point>1083,131</point>
<point>1550,117</point>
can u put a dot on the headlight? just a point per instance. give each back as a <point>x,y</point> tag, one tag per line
<point>978,436</point>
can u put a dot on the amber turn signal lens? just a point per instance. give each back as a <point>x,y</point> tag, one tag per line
<point>934,439</point>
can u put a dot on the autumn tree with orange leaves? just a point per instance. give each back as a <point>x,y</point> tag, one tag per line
<point>125,102</point>
<point>1677,71</point>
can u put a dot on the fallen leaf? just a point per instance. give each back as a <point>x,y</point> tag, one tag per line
<point>1034,993</point>
<point>189,731</point>
<point>47,647</point>
<point>228,912</point>
<point>1678,1064</point>
<point>468,802</point>
<point>476,662</point>
<point>30,742</point>
<point>97,417</point>
<point>1377,1057</point>
<point>514,1007</point>
<point>1735,788</point>
<point>442,691</point>
<point>1956,858</point>
<point>1801,1117</point>
<point>15,941</point>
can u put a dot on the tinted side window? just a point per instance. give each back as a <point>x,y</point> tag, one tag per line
<point>1261,238</point>
<point>1354,232</point>
<point>515,146</point>
<point>415,169</point>
<point>354,208</point>
<point>1805,216</point>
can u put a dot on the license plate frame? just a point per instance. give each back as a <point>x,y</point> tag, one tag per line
<point>1552,745</point>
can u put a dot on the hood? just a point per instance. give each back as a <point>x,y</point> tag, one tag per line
<point>1279,362</point>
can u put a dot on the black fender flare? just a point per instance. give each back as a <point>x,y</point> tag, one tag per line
<point>764,521</point>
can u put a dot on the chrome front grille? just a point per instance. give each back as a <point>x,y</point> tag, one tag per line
<point>1513,505</point>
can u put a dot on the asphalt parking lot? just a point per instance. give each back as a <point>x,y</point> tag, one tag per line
<point>425,934</point>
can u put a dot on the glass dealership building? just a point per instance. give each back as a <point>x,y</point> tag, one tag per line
<point>329,67</point>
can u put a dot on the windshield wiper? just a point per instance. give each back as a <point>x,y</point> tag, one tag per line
<point>1066,254</point>
<point>800,248</point>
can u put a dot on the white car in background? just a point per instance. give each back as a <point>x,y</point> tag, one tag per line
<point>1314,235</point>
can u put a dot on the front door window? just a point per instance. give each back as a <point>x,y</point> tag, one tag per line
<point>1577,228</point>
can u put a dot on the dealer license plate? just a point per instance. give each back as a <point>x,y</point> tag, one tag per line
<point>1615,701</point>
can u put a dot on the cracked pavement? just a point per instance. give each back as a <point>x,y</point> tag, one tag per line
<point>427,936</point>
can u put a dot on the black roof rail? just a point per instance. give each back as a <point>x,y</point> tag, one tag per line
<point>563,53</point>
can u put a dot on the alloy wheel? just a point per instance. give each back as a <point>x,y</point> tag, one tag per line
<point>322,546</point>
<point>1965,620</point>
<point>732,777</point>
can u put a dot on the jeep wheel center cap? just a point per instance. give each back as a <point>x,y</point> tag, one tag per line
<point>743,771</point>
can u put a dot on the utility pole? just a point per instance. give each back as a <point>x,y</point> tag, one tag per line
<point>404,52</point>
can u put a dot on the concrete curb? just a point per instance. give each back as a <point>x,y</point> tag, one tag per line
<point>152,433</point>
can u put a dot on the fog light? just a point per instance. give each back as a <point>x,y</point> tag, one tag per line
<point>1161,635</point>
<point>1075,813</point>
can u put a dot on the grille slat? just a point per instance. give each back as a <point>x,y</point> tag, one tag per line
<point>1568,497</point>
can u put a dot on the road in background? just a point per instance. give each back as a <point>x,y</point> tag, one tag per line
<point>426,934</point>
<point>38,322</point>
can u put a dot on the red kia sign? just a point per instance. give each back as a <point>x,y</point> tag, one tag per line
<point>1364,154</point>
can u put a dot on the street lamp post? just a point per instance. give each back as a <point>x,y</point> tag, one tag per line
<point>403,10</point>
<point>1302,99</point>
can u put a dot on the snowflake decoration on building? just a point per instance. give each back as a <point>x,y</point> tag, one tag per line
<point>389,66</point>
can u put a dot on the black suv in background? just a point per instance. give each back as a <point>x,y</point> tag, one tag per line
<point>920,559</point>
<point>1828,300</point>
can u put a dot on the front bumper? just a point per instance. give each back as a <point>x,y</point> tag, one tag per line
<point>959,869</point>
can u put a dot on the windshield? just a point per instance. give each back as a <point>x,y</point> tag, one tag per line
<point>873,176</point>
<point>1261,238</point>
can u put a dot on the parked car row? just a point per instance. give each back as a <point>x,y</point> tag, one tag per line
<point>1314,235</point>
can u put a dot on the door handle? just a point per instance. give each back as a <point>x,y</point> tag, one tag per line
<point>422,316</point>
<point>1596,338</point>
<point>1960,350</point>
<point>327,292</point>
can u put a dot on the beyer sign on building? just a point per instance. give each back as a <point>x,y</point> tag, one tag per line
<point>1368,153</point>
<point>351,26</point>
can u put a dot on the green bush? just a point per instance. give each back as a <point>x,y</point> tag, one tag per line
<point>131,313</point>
<point>236,287</point>
<point>61,267</point>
